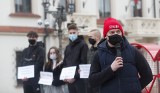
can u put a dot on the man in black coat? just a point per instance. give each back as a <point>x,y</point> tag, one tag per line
<point>94,38</point>
<point>33,55</point>
<point>117,66</point>
<point>75,54</point>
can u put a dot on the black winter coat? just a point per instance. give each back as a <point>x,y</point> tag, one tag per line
<point>33,55</point>
<point>76,53</point>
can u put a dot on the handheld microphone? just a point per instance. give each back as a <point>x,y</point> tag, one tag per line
<point>118,49</point>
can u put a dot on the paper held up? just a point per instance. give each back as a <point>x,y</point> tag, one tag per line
<point>84,70</point>
<point>68,73</point>
<point>26,72</point>
<point>46,78</point>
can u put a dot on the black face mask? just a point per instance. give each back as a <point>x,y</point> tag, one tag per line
<point>92,41</point>
<point>31,41</point>
<point>114,39</point>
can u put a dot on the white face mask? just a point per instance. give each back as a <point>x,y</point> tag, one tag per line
<point>53,56</point>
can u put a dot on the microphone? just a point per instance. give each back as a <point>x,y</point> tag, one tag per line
<point>118,49</point>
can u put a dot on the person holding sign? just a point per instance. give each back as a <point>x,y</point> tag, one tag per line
<point>55,65</point>
<point>75,54</point>
<point>32,56</point>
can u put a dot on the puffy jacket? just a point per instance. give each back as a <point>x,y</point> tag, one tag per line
<point>125,79</point>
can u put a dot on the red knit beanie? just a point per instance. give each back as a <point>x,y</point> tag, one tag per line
<point>111,23</point>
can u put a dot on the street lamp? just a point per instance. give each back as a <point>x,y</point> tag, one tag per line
<point>46,4</point>
<point>60,17</point>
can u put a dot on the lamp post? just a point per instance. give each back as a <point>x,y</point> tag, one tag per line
<point>45,4</point>
<point>60,17</point>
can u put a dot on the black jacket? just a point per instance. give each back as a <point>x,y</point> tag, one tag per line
<point>124,80</point>
<point>91,53</point>
<point>56,74</point>
<point>33,55</point>
<point>76,53</point>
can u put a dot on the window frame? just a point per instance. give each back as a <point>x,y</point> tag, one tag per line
<point>22,6</point>
<point>135,11</point>
<point>18,60</point>
<point>104,12</point>
<point>24,14</point>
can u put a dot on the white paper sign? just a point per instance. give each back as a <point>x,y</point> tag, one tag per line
<point>26,71</point>
<point>84,70</point>
<point>68,73</point>
<point>46,78</point>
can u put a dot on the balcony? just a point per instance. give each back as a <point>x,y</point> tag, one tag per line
<point>143,27</point>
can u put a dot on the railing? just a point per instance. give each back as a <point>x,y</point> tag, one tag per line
<point>143,26</point>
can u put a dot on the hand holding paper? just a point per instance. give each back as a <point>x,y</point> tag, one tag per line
<point>26,72</point>
<point>68,73</point>
<point>46,78</point>
<point>84,70</point>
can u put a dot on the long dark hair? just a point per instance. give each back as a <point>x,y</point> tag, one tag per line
<point>58,59</point>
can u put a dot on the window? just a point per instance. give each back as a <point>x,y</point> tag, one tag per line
<point>104,8</point>
<point>69,5</point>
<point>18,60</point>
<point>136,8</point>
<point>23,6</point>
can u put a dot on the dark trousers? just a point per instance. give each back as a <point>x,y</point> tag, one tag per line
<point>77,87</point>
<point>31,88</point>
<point>90,89</point>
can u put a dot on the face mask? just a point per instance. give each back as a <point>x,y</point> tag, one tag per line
<point>73,37</point>
<point>53,56</point>
<point>31,41</point>
<point>114,39</point>
<point>92,41</point>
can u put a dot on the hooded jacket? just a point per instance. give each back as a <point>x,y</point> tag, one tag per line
<point>125,79</point>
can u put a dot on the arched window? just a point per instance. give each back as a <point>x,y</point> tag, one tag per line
<point>23,6</point>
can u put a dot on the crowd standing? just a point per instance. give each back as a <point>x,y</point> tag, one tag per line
<point>116,66</point>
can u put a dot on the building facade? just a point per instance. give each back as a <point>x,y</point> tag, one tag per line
<point>140,19</point>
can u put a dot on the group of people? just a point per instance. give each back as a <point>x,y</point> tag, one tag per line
<point>116,66</point>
